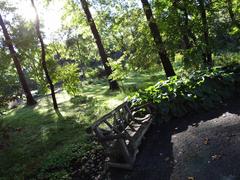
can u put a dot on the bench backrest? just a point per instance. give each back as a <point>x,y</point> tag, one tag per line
<point>114,123</point>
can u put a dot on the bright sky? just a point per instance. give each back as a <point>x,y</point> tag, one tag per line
<point>50,16</point>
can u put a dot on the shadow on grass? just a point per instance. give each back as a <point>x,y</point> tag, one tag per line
<point>33,143</point>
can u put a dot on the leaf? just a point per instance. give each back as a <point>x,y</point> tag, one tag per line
<point>216,157</point>
<point>206,141</point>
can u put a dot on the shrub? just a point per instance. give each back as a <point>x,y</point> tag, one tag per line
<point>69,76</point>
<point>202,90</point>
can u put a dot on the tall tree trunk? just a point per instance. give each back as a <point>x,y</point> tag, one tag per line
<point>158,39</point>
<point>112,83</point>
<point>43,58</point>
<point>232,15</point>
<point>22,79</point>
<point>208,54</point>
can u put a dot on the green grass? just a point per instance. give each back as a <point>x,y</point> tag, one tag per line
<point>32,136</point>
<point>36,142</point>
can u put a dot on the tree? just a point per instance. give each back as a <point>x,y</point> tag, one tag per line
<point>207,56</point>
<point>29,97</point>
<point>76,48</point>
<point>184,26</point>
<point>231,13</point>
<point>112,83</point>
<point>43,58</point>
<point>158,39</point>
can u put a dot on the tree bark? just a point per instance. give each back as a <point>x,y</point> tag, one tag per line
<point>43,58</point>
<point>22,79</point>
<point>208,54</point>
<point>232,15</point>
<point>185,30</point>
<point>158,39</point>
<point>112,83</point>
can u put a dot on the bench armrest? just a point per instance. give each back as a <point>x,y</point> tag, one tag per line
<point>138,109</point>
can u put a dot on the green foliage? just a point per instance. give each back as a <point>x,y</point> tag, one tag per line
<point>226,58</point>
<point>8,78</point>
<point>202,90</point>
<point>94,73</point>
<point>69,76</point>
<point>119,72</point>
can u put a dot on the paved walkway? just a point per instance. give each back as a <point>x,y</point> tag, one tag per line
<point>205,146</point>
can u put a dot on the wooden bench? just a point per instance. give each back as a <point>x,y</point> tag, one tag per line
<point>121,132</point>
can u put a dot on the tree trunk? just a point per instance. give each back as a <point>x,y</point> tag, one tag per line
<point>208,54</point>
<point>112,83</point>
<point>232,15</point>
<point>22,79</point>
<point>43,58</point>
<point>158,39</point>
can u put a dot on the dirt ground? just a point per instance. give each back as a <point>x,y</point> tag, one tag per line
<point>203,146</point>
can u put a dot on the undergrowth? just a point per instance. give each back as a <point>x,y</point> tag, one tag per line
<point>201,90</point>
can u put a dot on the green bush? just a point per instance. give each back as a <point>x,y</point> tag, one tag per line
<point>69,76</point>
<point>202,90</point>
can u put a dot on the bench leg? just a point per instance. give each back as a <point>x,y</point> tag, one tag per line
<point>127,156</point>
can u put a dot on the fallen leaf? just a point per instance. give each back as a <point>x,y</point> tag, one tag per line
<point>206,141</point>
<point>216,157</point>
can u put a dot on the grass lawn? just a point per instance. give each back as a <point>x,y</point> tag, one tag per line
<point>35,142</point>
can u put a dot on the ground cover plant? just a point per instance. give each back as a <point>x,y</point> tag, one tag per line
<point>201,90</point>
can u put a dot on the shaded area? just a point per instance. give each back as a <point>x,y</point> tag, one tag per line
<point>201,146</point>
<point>37,142</point>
